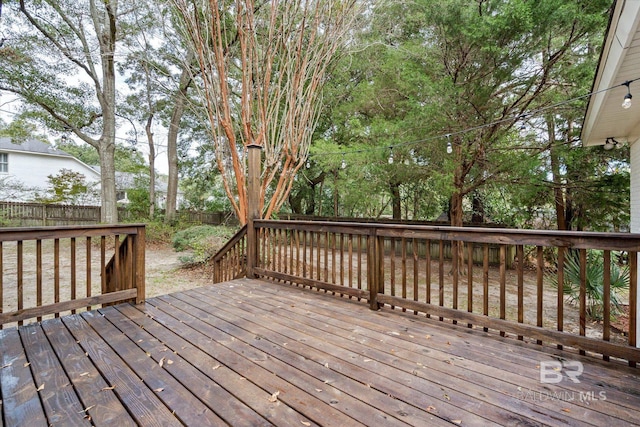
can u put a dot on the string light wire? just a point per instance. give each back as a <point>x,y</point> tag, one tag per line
<point>479,127</point>
<point>448,135</point>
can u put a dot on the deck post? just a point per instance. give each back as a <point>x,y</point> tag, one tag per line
<point>139,263</point>
<point>253,210</point>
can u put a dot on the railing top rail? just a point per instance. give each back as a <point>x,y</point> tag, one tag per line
<point>569,239</point>
<point>54,232</point>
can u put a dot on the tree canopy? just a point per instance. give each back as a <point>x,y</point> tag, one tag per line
<point>469,110</point>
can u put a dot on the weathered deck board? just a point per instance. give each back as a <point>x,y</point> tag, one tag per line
<point>485,361</point>
<point>60,401</point>
<point>255,353</point>
<point>103,405</point>
<point>20,402</point>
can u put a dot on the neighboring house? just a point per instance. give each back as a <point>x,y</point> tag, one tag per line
<point>126,181</point>
<point>606,122</point>
<point>25,168</point>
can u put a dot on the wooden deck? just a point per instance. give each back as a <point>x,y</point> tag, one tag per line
<point>250,352</point>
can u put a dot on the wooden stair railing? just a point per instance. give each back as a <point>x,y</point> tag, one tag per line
<point>53,271</point>
<point>230,262</point>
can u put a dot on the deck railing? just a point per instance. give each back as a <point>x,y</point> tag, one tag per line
<point>49,271</point>
<point>230,262</point>
<point>396,266</point>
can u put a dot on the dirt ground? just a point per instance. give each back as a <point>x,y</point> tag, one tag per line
<point>165,273</point>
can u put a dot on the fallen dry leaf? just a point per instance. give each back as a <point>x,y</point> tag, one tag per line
<point>107,388</point>
<point>319,390</point>
<point>274,396</point>
<point>431,408</point>
<point>169,362</point>
<point>456,421</point>
<point>446,396</point>
<point>86,409</point>
<point>41,387</point>
<point>158,390</point>
<point>84,374</point>
<point>304,423</point>
<point>216,367</point>
<point>24,366</point>
<point>326,365</point>
<point>428,337</point>
<point>9,364</point>
<point>161,362</point>
<point>566,409</point>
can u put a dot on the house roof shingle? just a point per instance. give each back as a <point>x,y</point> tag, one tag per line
<point>31,146</point>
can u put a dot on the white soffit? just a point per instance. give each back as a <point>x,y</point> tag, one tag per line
<point>620,62</point>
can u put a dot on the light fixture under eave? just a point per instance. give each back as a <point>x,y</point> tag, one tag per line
<point>627,98</point>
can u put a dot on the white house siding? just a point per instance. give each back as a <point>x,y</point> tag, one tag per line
<point>32,170</point>
<point>635,187</point>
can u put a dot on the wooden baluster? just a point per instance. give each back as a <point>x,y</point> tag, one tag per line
<point>117,265</point>
<point>280,245</point>
<point>318,267</point>
<point>392,266</point>
<point>350,266</point>
<point>633,302</point>
<point>583,294</point>
<point>88,268</point>
<point>428,272</point>
<point>20,274</point>
<point>441,277</point>
<point>470,280</point>
<point>520,256</point>
<point>39,276</point>
<point>56,273</point>
<point>485,282</point>
<point>333,258</point>
<point>606,323</point>
<point>326,257</point>
<point>403,252</point>
<point>103,264</point>
<point>377,260</point>
<point>414,247</point>
<point>503,284</point>
<point>341,259</point>
<point>311,265</point>
<point>298,260</point>
<point>561,255</point>
<point>455,269</point>
<point>304,254</point>
<point>73,270</point>
<point>359,261</point>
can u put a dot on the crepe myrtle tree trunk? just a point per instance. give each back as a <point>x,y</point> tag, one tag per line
<point>261,69</point>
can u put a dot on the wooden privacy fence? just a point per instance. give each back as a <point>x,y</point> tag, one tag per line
<point>385,265</point>
<point>40,214</point>
<point>52,270</point>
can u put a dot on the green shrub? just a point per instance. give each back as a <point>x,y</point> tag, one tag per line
<point>594,283</point>
<point>203,240</point>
